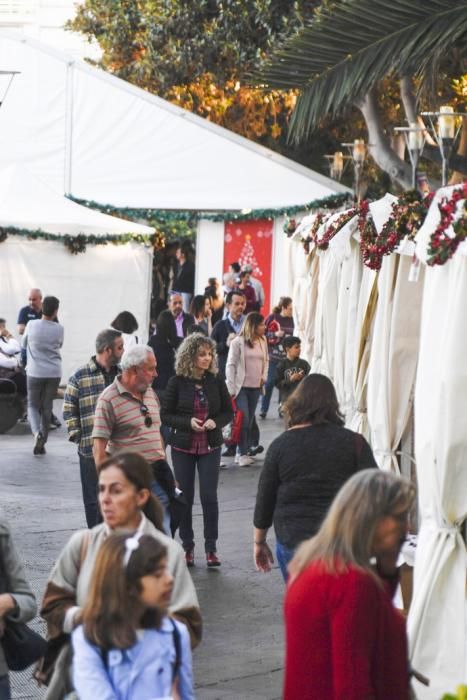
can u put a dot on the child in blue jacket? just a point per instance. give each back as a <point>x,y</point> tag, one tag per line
<point>127,648</point>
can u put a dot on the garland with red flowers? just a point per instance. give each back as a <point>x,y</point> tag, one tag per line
<point>372,253</point>
<point>407,215</point>
<point>335,227</point>
<point>442,246</point>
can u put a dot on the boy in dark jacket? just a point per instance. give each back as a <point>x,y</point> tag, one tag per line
<point>292,370</point>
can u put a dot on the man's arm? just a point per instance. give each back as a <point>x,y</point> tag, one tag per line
<point>104,421</point>
<point>71,414</point>
<point>98,450</point>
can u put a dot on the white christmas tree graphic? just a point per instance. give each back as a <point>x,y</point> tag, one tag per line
<point>247,257</point>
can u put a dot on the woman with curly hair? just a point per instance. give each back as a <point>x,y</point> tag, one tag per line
<point>196,407</point>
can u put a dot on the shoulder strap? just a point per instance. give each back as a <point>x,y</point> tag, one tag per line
<point>178,649</point>
<point>84,548</point>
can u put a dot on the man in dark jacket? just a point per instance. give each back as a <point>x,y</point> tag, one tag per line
<point>181,320</point>
<point>226,330</point>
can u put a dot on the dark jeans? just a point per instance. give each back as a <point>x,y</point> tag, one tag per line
<point>269,386</point>
<point>208,472</point>
<point>247,400</point>
<point>41,394</point>
<point>4,688</point>
<point>284,556</point>
<point>89,486</point>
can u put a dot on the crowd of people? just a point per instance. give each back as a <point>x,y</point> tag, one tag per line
<point>120,605</point>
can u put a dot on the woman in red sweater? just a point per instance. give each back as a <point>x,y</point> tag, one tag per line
<point>344,638</point>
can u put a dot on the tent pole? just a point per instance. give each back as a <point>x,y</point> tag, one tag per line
<point>68,162</point>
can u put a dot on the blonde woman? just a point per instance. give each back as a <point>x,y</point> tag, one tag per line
<point>246,373</point>
<point>196,406</point>
<point>340,594</point>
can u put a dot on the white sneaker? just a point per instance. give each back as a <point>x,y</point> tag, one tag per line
<point>237,459</point>
<point>246,461</point>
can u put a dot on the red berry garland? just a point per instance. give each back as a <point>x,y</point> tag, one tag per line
<point>442,246</point>
<point>335,227</point>
<point>407,215</point>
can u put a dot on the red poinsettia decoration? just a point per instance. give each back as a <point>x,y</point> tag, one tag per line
<point>442,246</point>
<point>407,215</point>
<point>335,227</point>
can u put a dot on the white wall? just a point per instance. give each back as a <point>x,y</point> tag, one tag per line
<point>209,253</point>
<point>93,287</point>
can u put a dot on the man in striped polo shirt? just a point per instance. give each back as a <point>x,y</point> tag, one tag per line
<point>127,417</point>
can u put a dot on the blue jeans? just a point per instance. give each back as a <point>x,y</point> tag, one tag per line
<point>159,492</point>
<point>4,688</point>
<point>269,386</point>
<point>185,465</point>
<point>247,400</point>
<point>284,556</point>
<point>89,486</point>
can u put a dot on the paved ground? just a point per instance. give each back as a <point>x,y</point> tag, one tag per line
<point>241,657</point>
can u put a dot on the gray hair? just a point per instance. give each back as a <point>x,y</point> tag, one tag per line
<point>135,356</point>
<point>106,339</point>
<point>347,532</point>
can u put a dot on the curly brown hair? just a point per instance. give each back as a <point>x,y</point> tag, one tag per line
<point>186,355</point>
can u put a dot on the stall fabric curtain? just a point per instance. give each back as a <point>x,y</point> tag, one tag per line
<point>437,619</point>
<point>367,301</point>
<point>393,360</point>
<point>308,338</point>
<point>326,314</point>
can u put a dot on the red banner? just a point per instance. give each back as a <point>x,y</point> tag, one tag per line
<point>250,243</point>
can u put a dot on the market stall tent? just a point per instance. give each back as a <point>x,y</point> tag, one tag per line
<point>97,137</point>
<point>92,135</point>
<point>93,286</point>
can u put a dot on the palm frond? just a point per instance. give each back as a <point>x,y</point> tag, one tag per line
<point>353,44</point>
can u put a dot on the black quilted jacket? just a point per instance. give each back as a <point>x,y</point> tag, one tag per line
<point>177,408</point>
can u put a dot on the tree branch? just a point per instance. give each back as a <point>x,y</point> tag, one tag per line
<point>380,148</point>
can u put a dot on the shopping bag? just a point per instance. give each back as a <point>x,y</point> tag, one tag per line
<point>232,431</point>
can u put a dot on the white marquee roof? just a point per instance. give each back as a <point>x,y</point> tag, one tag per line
<point>88,133</point>
<point>27,203</point>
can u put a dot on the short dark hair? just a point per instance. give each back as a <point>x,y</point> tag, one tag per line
<point>125,322</point>
<point>106,339</point>
<point>313,401</point>
<point>291,340</point>
<point>3,320</point>
<point>50,306</point>
<point>238,292</point>
<point>235,267</point>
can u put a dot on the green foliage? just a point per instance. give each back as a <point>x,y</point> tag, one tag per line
<point>460,695</point>
<point>161,43</point>
<point>353,44</point>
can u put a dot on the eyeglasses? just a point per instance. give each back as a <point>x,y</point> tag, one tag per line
<point>145,412</point>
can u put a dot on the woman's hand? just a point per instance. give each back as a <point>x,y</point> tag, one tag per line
<point>209,424</point>
<point>197,426</point>
<point>262,556</point>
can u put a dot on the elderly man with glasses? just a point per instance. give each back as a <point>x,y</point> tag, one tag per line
<point>127,418</point>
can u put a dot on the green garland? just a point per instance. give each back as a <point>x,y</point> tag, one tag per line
<point>168,216</point>
<point>77,244</point>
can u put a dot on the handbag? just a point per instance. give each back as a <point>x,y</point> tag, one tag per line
<point>232,431</point>
<point>21,645</point>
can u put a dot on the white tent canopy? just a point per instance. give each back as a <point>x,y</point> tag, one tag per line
<point>93,287</point>
<point>28,203</point>
<point>92,135</point>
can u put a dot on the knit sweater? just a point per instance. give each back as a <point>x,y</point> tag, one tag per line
<point>303,470</point>
<point>344,638</point>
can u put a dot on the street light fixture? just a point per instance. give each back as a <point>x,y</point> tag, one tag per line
<point>445,133</point>
<point>337,163</point>
<point>414,136</point>
<point>357,153</point>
